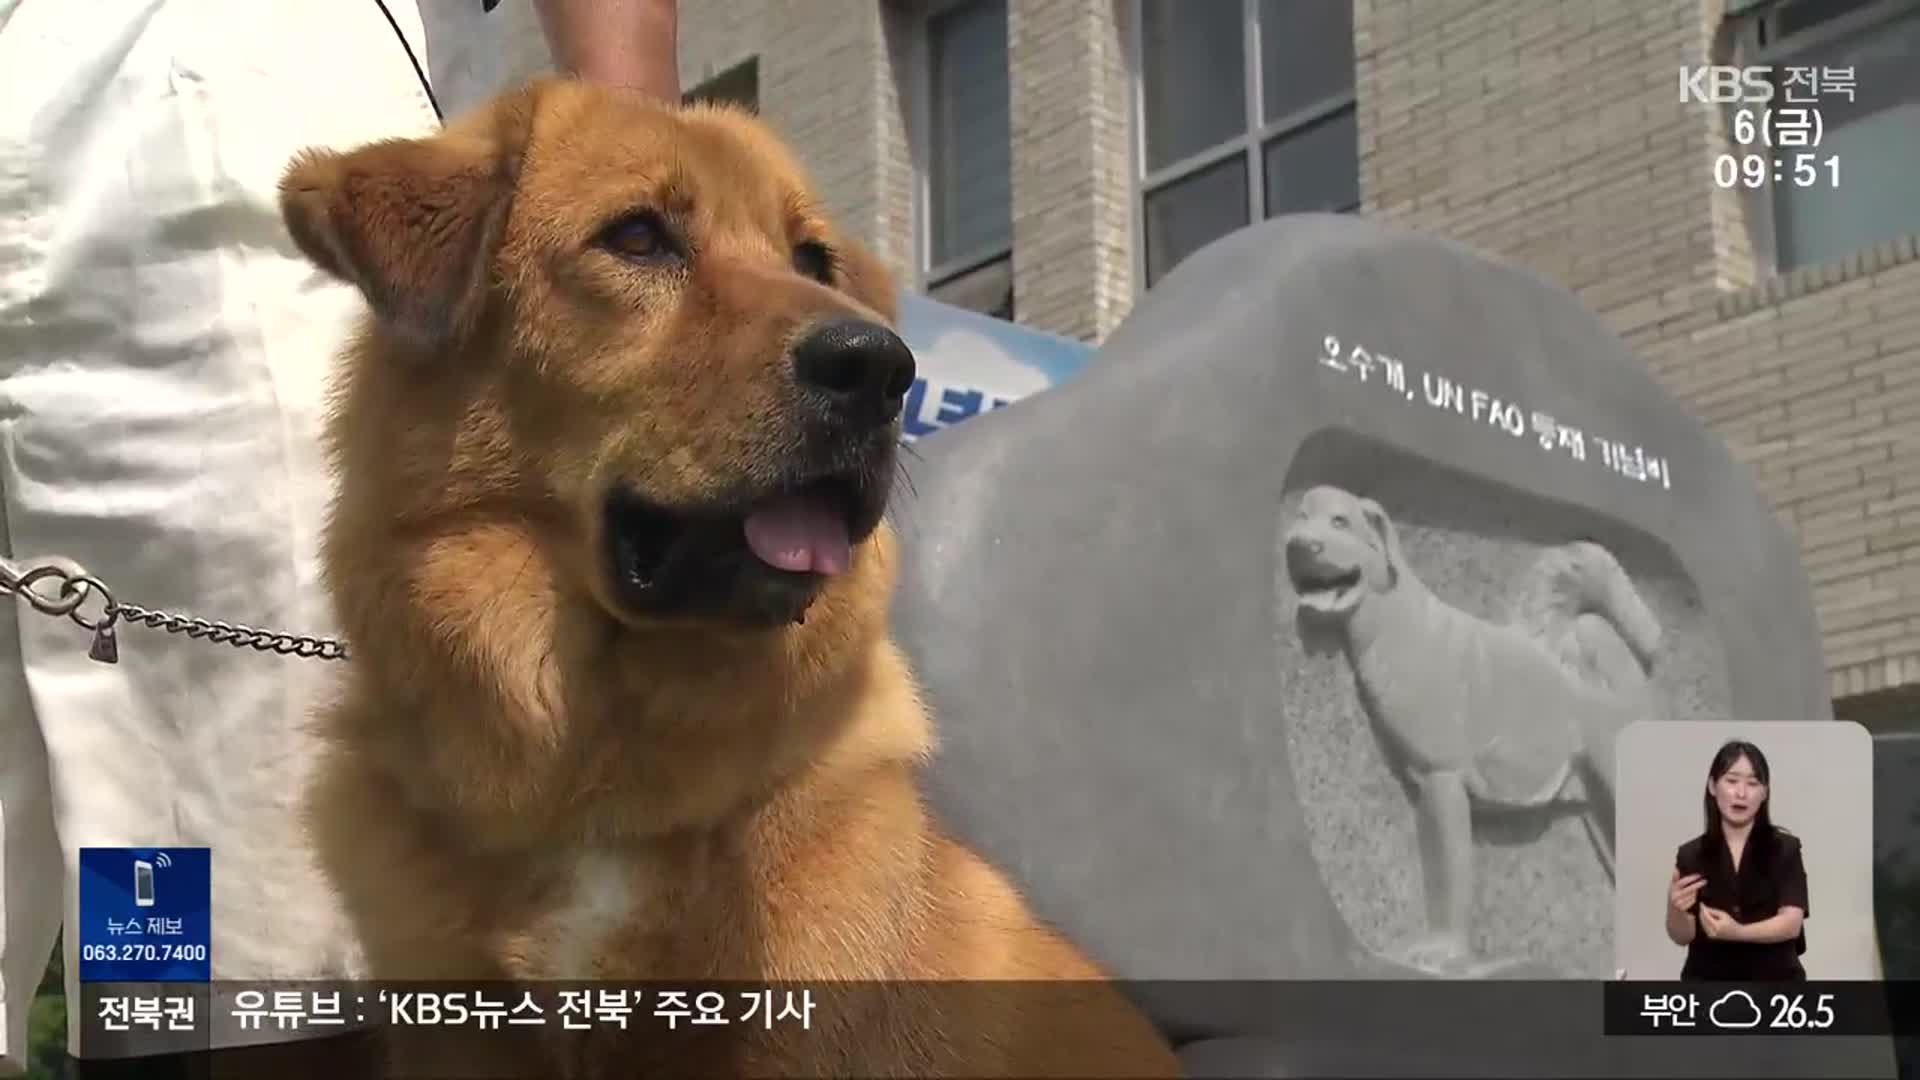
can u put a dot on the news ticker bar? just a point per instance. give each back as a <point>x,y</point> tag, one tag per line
<point>195,1015</point>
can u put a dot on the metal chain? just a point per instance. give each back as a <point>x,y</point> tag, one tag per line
<point>236,634</point>
<point>74,587</point>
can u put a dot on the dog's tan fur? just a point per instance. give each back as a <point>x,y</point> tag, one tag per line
<point>524,780</point>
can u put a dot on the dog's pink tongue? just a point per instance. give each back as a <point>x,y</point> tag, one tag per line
<point>799,534</point>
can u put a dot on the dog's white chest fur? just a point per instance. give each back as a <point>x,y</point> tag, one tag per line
<point>601,899</point>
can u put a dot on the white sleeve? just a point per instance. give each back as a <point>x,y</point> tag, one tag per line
<point>30,866</point>
<point>163,359</point>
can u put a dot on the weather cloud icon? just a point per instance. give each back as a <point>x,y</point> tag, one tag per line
<point>1736,1009</point>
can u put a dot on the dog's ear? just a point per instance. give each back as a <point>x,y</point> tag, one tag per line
<point>868,279</point>
<point>413,223</point>
<point>1382,526</point>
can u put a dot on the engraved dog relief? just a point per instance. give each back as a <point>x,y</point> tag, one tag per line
<point>1517,714</point>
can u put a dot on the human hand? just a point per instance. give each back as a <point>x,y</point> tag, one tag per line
<point>1719,925</point>
<point>626,44</point>
<point>1682,891</point>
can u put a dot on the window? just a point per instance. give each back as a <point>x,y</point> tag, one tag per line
<point>1246,111</point>
<point>1870,132</point>
<point>738,85</point>
<point>967,157</point>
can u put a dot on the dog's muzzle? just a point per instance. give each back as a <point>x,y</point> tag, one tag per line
<point>1324,586</point>
<point>758,559</point>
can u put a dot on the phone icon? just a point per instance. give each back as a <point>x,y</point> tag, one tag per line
<point>142,883</point>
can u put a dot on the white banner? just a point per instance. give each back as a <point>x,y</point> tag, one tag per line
<point>971,363</point>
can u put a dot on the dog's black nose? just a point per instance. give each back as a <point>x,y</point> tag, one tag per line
<point>1306,545</point>
<point>859,368</point>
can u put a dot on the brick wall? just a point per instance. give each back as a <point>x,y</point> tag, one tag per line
<point>829,83</point>
<point>1548,132</point>
<point>1816,381</point>
<point>837,79</point>
<point>1072,173</point>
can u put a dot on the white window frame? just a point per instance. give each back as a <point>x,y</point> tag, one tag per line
<point>930,275</point>
<point>1752,47</point>
<point>1250,142</point>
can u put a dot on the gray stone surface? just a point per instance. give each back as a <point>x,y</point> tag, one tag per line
<point>1896,864</point>
<point>1097,596</point>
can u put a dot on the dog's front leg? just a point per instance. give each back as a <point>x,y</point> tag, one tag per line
<point>1445,822</point>
<point>1597,773</point>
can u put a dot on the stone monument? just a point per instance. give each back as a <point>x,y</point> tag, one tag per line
<point>1287,641</point>
<point>1896,869</point>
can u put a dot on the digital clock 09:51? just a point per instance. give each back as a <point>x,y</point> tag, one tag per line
<point>1754,170</point>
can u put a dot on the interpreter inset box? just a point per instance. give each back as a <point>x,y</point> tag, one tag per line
<point>1744,852</point>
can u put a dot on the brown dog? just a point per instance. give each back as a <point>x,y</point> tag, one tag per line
<point>614,449</point>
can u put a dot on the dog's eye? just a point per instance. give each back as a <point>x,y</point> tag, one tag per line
<point>815,260</point>
<point>1341,521</point>
<point>643,237</point>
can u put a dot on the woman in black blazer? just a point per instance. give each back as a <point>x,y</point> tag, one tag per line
<point>1738,897</point>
